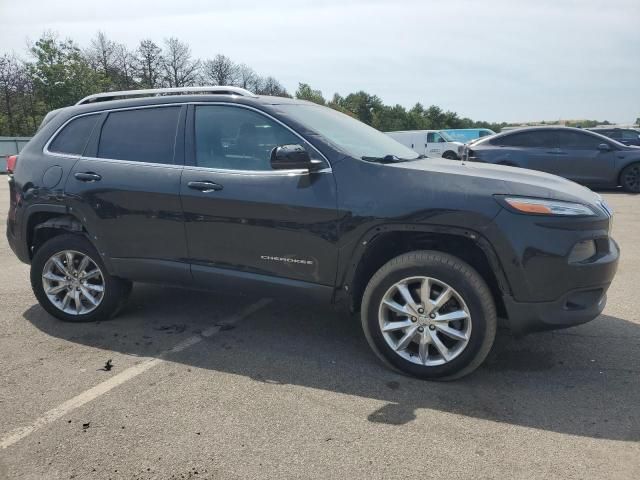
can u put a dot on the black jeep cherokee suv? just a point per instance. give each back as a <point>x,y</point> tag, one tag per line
<point>279,197</point>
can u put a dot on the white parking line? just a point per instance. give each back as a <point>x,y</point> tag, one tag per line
<point>52,415</point>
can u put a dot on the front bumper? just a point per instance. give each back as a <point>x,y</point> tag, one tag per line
<point>573,308</point>
<point>547,289</point>
<point>584,299</point>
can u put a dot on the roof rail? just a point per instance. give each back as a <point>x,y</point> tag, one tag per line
<point>106,96</point>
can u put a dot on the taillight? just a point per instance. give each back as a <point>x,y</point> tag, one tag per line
<point>12,161</point>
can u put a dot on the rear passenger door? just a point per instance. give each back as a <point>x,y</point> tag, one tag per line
<point>126,189</point>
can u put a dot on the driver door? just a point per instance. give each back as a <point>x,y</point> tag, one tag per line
<point>435,144</point>
<point>244,219</point>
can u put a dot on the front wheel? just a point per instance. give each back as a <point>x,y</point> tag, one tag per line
<point>71,282</point>
<point>630,178</point>
<point>430,315</point>
<point>450,155</point>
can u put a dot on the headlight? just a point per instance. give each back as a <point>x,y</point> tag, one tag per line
<point>539,206</point>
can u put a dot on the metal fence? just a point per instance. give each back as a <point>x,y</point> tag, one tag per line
<point>10,146</point>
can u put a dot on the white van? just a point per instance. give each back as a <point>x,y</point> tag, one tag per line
<point>431,143</point>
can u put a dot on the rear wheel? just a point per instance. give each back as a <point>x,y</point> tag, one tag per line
<point>71,282</point>
<point>630,178</point>
<point>430,315</point>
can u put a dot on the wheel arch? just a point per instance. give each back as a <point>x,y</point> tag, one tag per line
<point>385,242</point>
<point>43,222</point>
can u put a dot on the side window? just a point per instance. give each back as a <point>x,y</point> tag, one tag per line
<point>142,135</point>
<point>73,138</point>
<point>512,140</point>
<point>431,137</point>
<point>235,138</point>
<point>535,139</point>
<point>630,135</point>
<point>577,140</point>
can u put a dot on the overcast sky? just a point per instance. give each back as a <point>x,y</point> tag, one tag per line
<point>496,60</point>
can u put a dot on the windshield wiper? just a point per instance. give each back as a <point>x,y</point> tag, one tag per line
<point>390,159</point>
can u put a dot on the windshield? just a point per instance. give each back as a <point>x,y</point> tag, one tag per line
<point>446,136</point>
<point>348,134</point>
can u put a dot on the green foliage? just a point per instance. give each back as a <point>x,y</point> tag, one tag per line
<point>305,92</point>
<point>61,75</point>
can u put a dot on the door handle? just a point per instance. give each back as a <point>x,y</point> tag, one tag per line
<point>87,177</point>
<point>205,186</point>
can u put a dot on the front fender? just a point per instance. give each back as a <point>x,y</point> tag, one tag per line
<point>355,253</point>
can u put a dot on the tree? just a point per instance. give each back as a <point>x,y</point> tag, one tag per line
<point>125,65</point>
<point>221,71</point>
<point>361,105</point>
<point>101,56</point>
<point>246,77</point>
<point>149,64</point>
<point>179,69</point>
<point>10,70</point>
<point>387,119</point>
<point>270,86</point>
<point>305,92</point>
<point>61,74</point>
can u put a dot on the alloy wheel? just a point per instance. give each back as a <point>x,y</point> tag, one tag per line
<point>424,321</point>
<point>632,179</point>
<point>73,282</point>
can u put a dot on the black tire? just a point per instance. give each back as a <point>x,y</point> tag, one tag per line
<point>630,178</point>
<point>116,290</point>
<point>450,155</point>
<point>462,278</point>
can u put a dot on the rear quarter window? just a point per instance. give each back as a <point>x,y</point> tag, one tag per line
<point>73,138</point>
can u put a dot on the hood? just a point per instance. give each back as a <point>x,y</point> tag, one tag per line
<point>501,179</point>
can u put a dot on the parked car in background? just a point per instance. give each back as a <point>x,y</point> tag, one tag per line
<point>430,143</point>
<point>628,136</point>
<point>579,155</point>
<point>465,135</point>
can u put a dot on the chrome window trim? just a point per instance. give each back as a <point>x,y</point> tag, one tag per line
<point>253,173</point>
<point>133,162</point>
<point>327,169</point>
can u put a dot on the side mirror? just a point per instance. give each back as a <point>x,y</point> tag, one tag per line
<point>293,157</point>
<point>604,147</point>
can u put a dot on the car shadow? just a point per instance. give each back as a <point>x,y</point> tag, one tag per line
<point>581,381</point>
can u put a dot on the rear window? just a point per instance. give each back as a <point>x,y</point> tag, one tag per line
<point>73,138</point>
<point>143,135</point>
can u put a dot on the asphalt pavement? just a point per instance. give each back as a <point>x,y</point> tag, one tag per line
<point>220,387</point>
